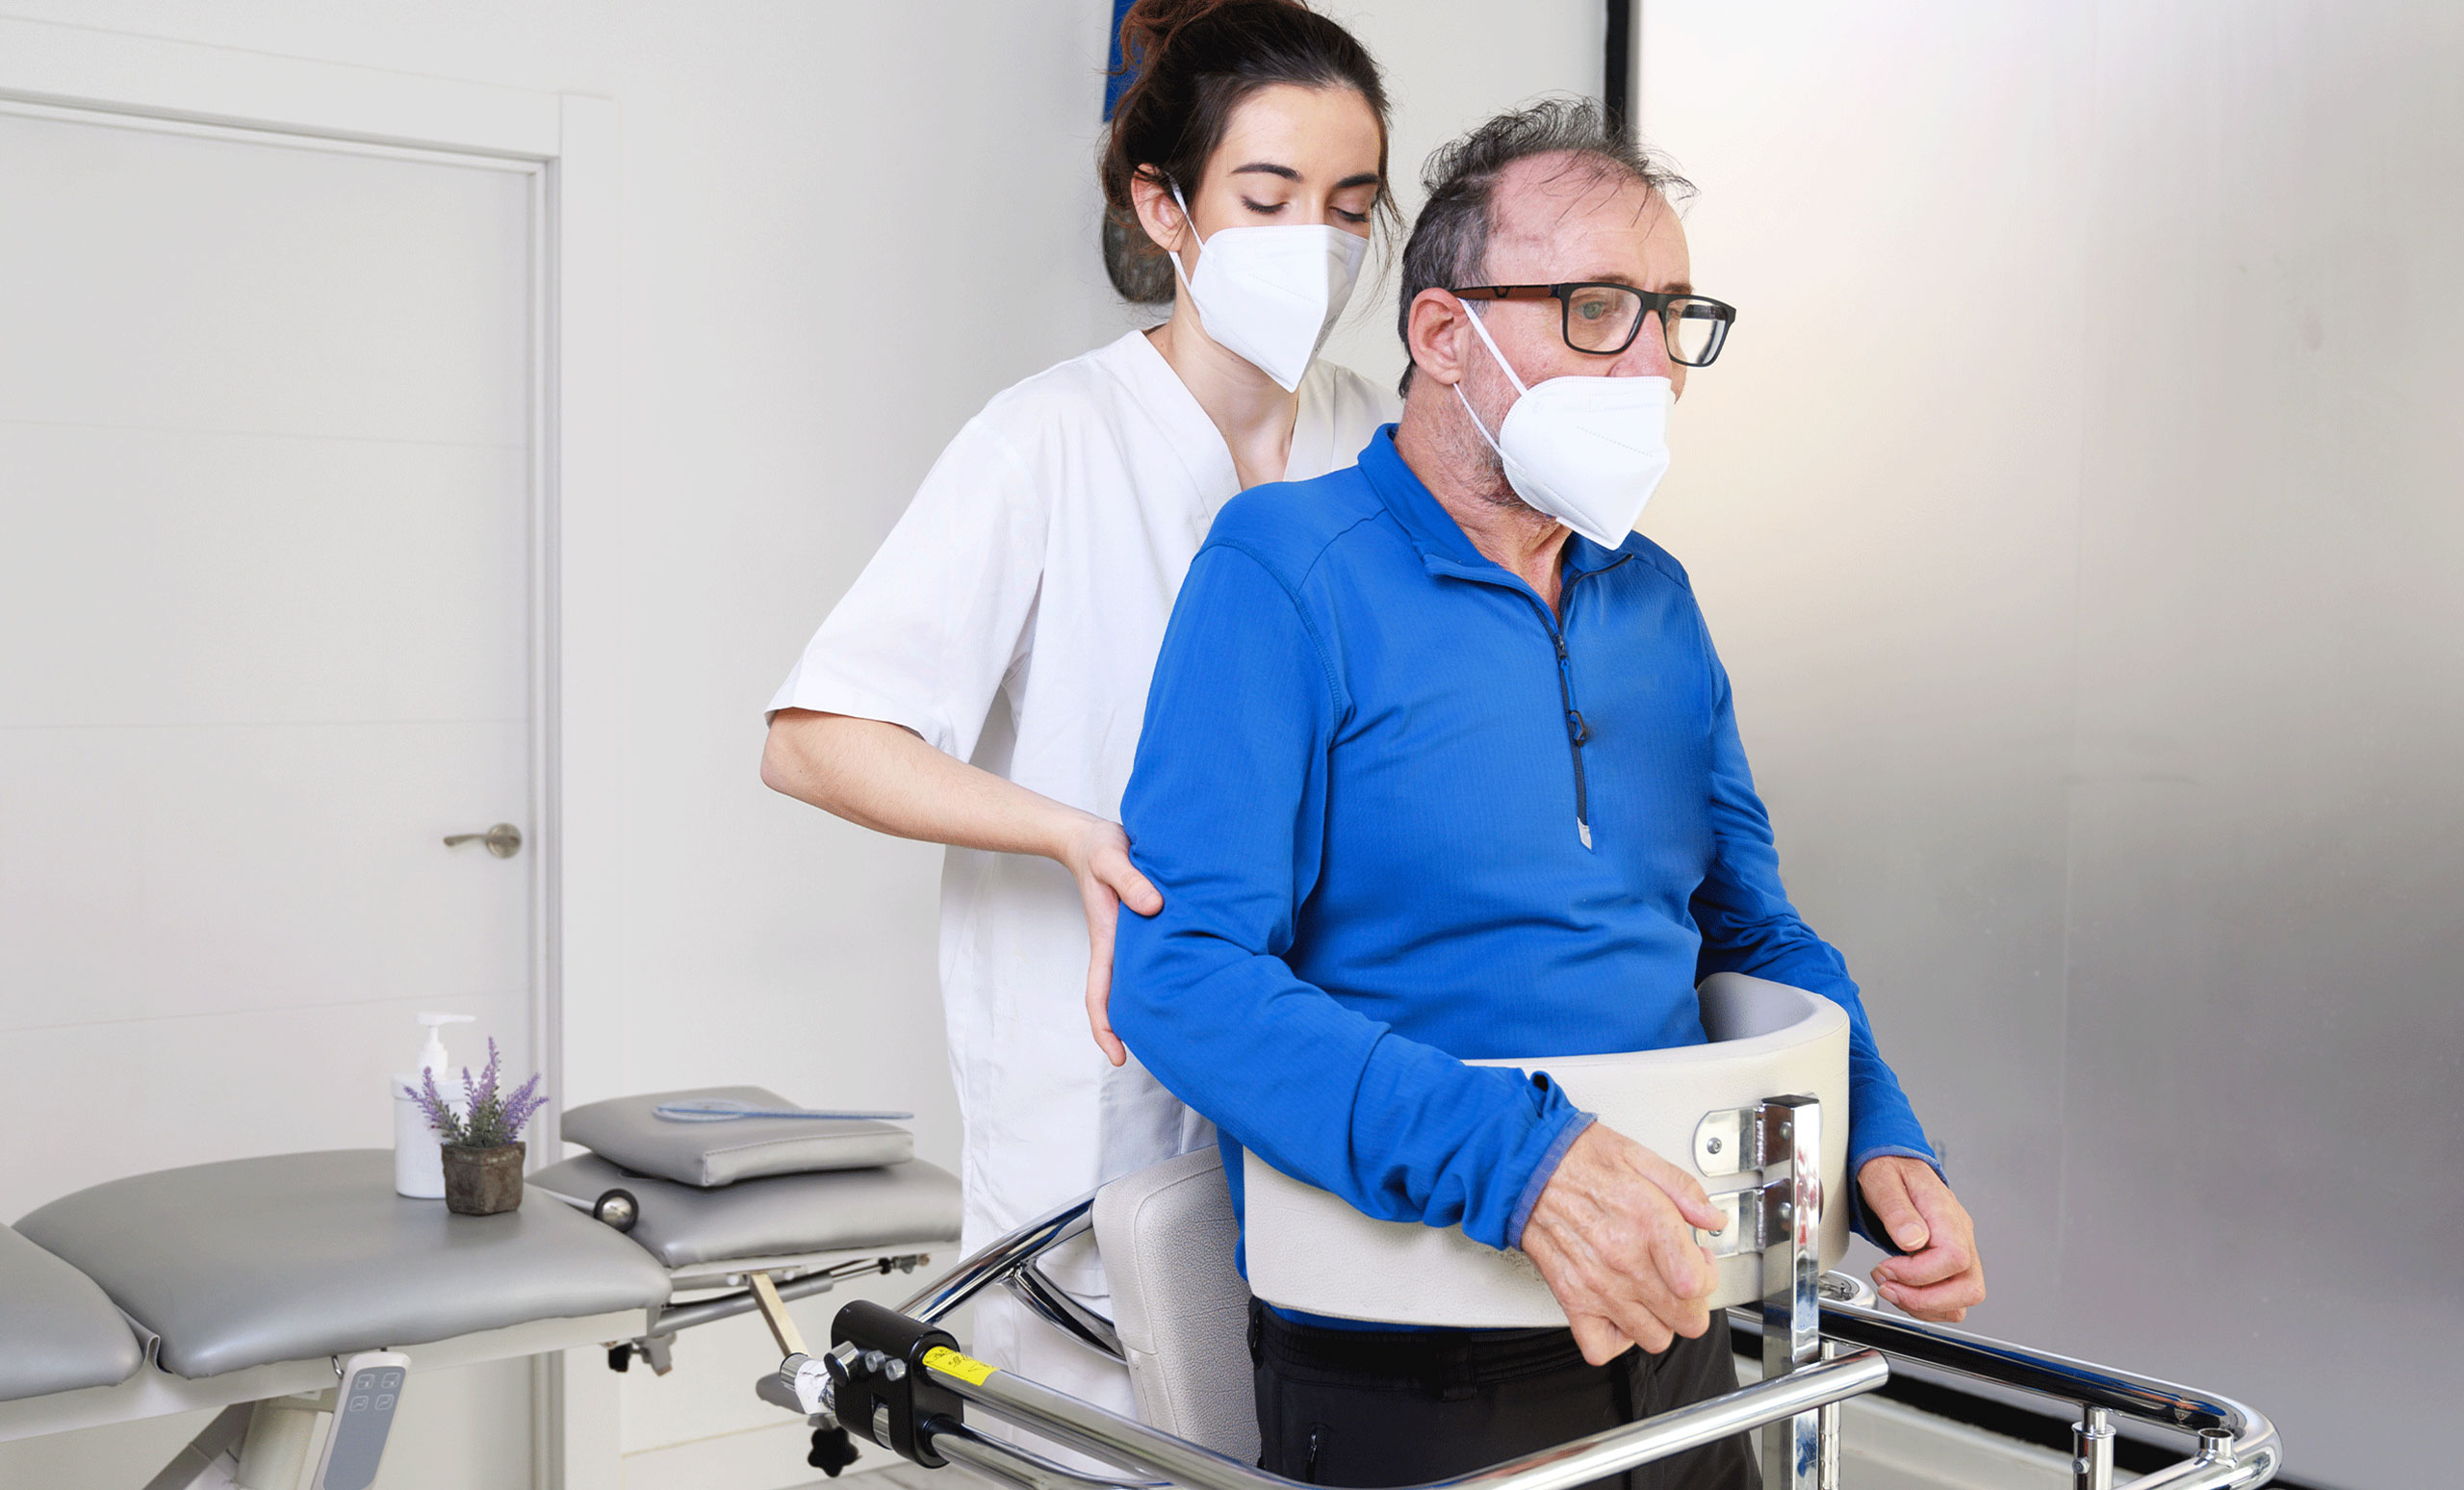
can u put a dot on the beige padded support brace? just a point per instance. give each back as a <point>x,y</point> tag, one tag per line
<point>1311,1251</point>
<point>1167,1236</point>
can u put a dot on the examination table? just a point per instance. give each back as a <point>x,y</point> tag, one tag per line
<point>253,1285</point>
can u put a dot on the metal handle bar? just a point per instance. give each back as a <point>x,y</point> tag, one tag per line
<point>1108,1435</point>
<point>2238,1446</point>
<point>959,1443</point>
<point>2239,1443</point>
<point>2035,1371</point>
<point>998,1260</point>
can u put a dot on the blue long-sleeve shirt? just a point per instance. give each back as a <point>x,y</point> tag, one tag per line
<point>1402,816</point>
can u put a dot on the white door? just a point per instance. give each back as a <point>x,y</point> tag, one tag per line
<point>266,606</point>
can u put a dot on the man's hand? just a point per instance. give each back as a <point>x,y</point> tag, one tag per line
<point>1942,1277</point>
<point>1097,855</point>
<point>1610,1234</point>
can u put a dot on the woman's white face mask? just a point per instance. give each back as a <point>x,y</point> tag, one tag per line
<point>1586,451</point>
<point>1269,294</point>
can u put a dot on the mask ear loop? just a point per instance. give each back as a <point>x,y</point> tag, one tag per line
<point>1510,377</point>
<point>1195,243</point>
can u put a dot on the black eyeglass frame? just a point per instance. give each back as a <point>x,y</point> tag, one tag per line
<point>1654,301</point>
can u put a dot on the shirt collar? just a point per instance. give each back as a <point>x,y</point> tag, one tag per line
<point>1190,435</point>
<point>1443,546</point>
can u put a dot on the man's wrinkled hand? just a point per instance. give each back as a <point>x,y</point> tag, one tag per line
<point>1941,1277</point>
<point>1613,1234</point>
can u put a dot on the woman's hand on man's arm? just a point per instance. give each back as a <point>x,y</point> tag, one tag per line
<point>1097,854</point>
<point>885,777</point>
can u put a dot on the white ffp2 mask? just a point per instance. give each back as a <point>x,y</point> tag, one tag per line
<point>1269,294</point>
<point>1586,451</point>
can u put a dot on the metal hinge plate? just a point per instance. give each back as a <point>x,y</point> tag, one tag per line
<point>1754,1219</point>
<point>1736,1138</point>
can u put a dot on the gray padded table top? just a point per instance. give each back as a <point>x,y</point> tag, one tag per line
<point>780,1214</point>
<point>296,1256</point>
<point>58,1330</point>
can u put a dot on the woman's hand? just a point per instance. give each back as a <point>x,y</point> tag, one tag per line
<point>883,776</point>
<point>1097,855</point>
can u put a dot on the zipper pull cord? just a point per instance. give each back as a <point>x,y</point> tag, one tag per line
<point>1577,730</point>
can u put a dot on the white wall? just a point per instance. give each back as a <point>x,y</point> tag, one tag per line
<point>1451,63</point>
<point>845,226</point>
<point>2076,509</point>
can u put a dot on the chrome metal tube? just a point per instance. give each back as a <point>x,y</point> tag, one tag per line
<point>2257,1452</point>
<point>1829,1430</point>
<point>1792,1282</point>
<point>962,1444</point>
<point>2092,1450</point>
<point>1052,1304</point>
<point>2145,1398</point>
<point>2225,1461</point>
<point>1091,1430</point>
<point>741,1301</point>
<point>1006,1256</point>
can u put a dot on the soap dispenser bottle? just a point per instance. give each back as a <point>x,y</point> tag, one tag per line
<point>419,1160</point>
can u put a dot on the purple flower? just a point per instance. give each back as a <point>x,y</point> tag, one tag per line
<point>485,1091</point>
<point>433,1106</point>
<point>519,1108</point>
<point>490,1118</point>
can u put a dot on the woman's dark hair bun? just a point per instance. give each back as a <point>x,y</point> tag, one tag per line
<point>1191,62</point>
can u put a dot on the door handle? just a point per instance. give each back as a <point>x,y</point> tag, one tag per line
<point>504,840</point>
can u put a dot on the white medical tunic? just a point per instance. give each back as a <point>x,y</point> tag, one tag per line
<point>1011,619</point>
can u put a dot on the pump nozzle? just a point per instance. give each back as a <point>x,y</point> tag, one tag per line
<point>432,1056</point>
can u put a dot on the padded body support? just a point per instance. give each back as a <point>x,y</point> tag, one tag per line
<point>1311,1251</point>
<point>629,1132</point>
<point>1167,1236</point>
<point>58,1329</point>
<point>296,1256</point>
<point>837,1210</point>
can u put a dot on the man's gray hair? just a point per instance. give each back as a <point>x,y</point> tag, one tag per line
<point>1449,243</point>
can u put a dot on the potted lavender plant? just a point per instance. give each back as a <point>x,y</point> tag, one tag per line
<point>482,1149</point>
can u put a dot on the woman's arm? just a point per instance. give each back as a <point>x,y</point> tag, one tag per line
<point>884,776</point>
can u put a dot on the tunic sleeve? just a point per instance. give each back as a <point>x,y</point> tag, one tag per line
<point>931,630</point>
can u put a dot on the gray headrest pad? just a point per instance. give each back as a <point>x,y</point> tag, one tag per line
<point>843,1211</point>
<point>58,1330</point>
<point>296,1256</point>
<point>625,1130</point>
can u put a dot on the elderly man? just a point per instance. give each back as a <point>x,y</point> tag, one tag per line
<point>1426,776</point>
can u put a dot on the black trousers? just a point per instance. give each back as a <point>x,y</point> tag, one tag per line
<point>1366,1408</point>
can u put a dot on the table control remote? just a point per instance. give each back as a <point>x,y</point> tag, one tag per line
<point>364,1403</point>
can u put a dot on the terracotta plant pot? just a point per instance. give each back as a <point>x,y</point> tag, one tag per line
<point>483,1181</point>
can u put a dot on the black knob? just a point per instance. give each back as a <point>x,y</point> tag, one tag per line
<point>833,1450</point>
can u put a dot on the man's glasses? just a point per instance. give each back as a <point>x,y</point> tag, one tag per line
<point>1604,319</point>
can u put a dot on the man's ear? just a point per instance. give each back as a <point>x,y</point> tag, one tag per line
<point>1436,335</point>
<point>1157,213</point>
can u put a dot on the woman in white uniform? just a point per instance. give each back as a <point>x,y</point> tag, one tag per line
<point>983,684</point>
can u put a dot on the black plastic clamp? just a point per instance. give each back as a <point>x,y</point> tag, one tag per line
<point>880,1386</point>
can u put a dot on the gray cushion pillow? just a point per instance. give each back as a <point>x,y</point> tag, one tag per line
<point>627,1132</point>
<point>903,1205</point>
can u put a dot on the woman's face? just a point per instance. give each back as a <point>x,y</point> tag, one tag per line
<point>1289,155</point>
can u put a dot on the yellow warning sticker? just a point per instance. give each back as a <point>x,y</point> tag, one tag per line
<point>965,1368</point>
